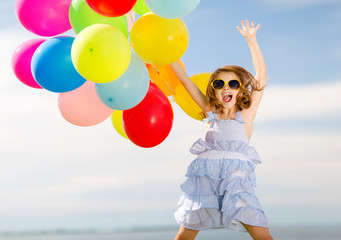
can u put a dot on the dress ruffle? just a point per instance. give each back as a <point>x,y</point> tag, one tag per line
<point>219,190</point>
<point>225,203</point>
<point>210,218</point>
<point>237,190</point>
<point>197,185</point>
<point>220,168</point>
<point>208,203</point>
<point>226,147</point>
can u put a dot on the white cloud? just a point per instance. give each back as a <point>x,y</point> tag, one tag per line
<point>299,169</point>
<point>297,102</point>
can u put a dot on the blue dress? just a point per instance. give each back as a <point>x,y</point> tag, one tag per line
<point>219,191</point>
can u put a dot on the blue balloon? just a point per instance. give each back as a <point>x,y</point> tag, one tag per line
<point>128,90</point>
<point>172,9</point>
<point>52,67</point>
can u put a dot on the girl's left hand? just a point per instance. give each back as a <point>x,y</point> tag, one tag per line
<point>247,31</point>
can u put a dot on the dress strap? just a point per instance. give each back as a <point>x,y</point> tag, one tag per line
<point>239,117</point>
<point>211,116</point>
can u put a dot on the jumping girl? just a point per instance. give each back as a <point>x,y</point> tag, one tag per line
<point>220,189</point>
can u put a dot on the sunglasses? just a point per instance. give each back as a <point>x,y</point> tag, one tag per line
<point>233,84</point>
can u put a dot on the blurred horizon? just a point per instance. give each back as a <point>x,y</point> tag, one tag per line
<point>293,232</point>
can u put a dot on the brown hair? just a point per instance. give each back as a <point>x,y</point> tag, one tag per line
<point>248,83</point>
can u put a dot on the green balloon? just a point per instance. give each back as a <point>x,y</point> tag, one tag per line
<point>82,16</point>
<point>141,7</point>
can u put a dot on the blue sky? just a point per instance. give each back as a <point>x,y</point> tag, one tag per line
<point>297,40</point>
<point>57,175</point>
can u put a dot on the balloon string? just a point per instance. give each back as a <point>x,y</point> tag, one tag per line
<point>133,21</point>
<point>164,81</point>
<point>131,18</point>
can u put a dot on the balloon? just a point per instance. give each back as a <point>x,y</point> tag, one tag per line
<point>164,77</point>
<point>82,16</point>
<point>141,7</point>
<point>157,40</point>
<point>149,123</point>
<point>172,9</point>
<point>128,90</point>
<point>44,18</point>
<point>82,107</point>
<point>116,120</point>
<point>52,66</point>
<point>185,101</point>
<point>111,8</point>
<point>101,53</point>
<point>21,61</point>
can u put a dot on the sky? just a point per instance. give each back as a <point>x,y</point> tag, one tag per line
<point>57,175</point>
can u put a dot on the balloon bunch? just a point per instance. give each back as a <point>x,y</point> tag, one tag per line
<point>115,66</point>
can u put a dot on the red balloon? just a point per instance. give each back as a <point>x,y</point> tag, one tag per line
<point>111,8</point>
<point>149,123</point>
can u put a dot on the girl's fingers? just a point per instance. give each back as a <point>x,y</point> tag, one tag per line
<point>243,25</point>
<point>247,23</point>
<point>247,26</point>
<point>239,29</point>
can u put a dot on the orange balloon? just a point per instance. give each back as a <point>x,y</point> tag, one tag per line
<point>164,77</point>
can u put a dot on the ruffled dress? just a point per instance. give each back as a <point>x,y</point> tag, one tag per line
<point>220,189</point>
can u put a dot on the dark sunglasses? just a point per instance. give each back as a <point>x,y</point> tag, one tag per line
<point>233,84</point>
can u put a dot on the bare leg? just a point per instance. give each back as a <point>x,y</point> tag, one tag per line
<point>186,234</point>
<point>258,233</point>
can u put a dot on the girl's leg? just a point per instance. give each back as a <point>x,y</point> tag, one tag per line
<point>186,234</point>
<point>258,233</point>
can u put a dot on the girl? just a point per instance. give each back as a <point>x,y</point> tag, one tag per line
<point>219,191</point>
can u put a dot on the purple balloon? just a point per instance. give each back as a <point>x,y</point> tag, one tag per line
<point>44,17</point>
<point>21,61</point>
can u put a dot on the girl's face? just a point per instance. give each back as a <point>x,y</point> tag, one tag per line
<point>226,96</point>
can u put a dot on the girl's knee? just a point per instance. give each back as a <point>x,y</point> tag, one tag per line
<point>263,237</point>
<point>180,236</point>
<point>268,238</point>
<point>183,237</point>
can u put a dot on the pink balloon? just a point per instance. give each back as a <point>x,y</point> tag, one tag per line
<point>44,17</point>
<point>21,61</point>
<point>82,106</point>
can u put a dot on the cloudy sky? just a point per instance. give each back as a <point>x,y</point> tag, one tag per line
<point>57,175</point>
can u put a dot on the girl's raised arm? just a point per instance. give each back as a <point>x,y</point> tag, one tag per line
<point>191,88</point>
<point>249,32</point>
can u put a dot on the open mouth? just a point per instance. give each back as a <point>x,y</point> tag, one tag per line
<point>227,98</point>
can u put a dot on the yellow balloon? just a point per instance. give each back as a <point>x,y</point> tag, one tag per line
<point>158,40</point>
<point>101,53</point>
<point>185,101</point>
<point>116,119</point>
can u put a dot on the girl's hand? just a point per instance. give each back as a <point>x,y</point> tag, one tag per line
<point>247,31</point>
